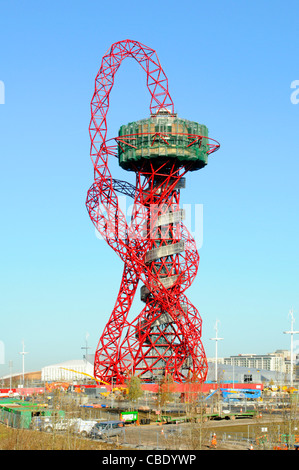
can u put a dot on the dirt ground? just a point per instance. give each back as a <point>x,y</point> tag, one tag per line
<point>186,436</point>
<point>193,436</point>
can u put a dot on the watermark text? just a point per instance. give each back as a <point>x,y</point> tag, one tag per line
<point>295,94</point>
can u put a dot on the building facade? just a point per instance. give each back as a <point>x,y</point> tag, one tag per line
<point>276,362</point>
<point>246,368</point>
<point>74,370</point>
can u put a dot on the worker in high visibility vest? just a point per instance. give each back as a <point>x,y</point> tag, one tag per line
<point>214,441</point>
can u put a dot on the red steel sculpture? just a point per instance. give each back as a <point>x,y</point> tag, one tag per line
<point>155,247</point>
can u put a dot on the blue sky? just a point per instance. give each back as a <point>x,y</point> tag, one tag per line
<point>230,66</point>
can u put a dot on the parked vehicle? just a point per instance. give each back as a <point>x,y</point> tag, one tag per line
<point>105,429</point>
<point>60,425</point>
<point>83,427</point>
<point>48,424</point>
<point>40,423</point>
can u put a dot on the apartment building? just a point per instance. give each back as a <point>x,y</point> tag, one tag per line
<point>277,361</point>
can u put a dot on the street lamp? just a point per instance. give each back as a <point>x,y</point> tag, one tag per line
<point>216,339</point>
<point>292,333</point>
<point>86,351</point>
<point>23,362</point>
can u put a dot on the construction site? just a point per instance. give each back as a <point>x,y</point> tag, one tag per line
<point>134,417</point>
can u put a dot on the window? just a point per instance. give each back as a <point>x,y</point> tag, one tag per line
<point>247,378</point>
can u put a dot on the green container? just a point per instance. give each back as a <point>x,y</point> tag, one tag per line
<point>18,414</point>
<point>163,136</point>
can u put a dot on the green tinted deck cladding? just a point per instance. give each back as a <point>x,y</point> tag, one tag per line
<point>163,136</point>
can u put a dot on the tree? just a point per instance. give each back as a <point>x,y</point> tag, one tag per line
<point>135,390</point>
<point>166,390</point>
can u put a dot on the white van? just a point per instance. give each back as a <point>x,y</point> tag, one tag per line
<point>106,429</point>
<point>83,427</point>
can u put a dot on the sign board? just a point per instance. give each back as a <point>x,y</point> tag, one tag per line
<point>129,415</point>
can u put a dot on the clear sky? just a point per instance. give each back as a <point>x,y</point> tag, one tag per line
<point>230,65</point>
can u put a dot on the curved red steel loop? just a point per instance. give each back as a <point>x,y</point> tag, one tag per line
<point>142,346</point>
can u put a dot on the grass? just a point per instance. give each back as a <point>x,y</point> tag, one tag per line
<point>25,439</point>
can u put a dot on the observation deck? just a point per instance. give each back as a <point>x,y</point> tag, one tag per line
<point>161,136</point>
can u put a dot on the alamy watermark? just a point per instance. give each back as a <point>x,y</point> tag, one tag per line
<point>141,222</point>
<point>2,92</point>
<point>295,94</point>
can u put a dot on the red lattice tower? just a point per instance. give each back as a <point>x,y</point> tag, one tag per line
<point>156,248</point>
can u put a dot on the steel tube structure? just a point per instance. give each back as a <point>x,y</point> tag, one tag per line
<point>156,248</point>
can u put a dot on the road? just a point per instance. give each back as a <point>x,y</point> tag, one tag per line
<point>190,436</point>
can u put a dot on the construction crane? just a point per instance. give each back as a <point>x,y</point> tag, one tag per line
<point>97,380</point>
<point>85,373</point>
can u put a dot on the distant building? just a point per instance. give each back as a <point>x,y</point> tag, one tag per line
<point>227,373</point>
<point>74,370</point>
<point>254,368</point>
<point>17,378</point>
<point>276,362</point>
